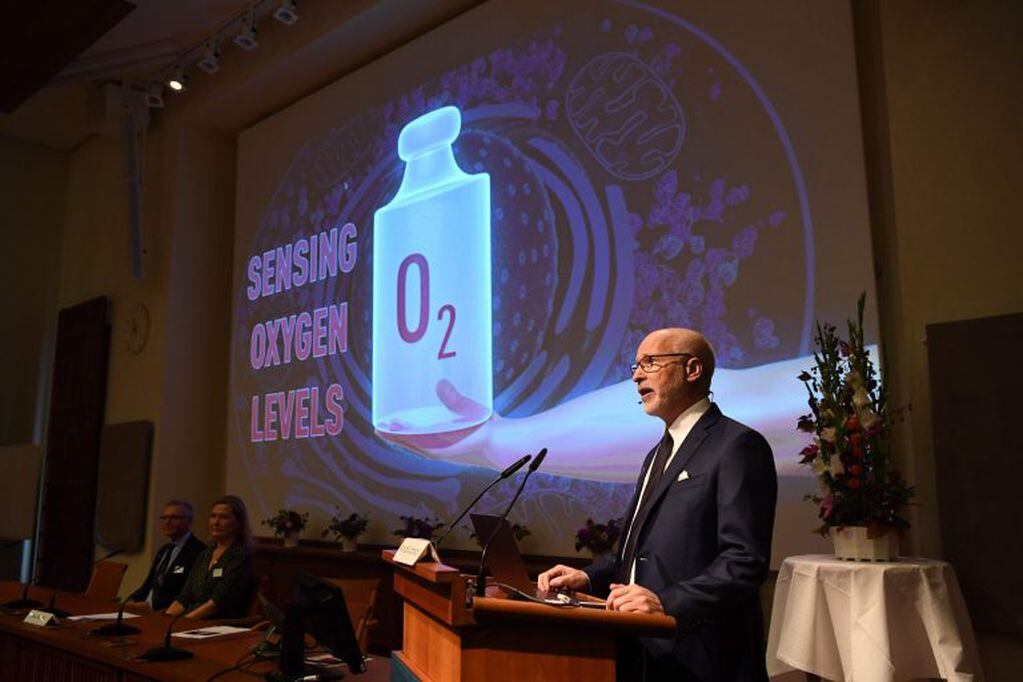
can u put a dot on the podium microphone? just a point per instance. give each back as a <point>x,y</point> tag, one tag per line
<point>167,652</point>
<point>503,475</point>
<point>481,587</point>
<point>118,628</point>
<point>24,602</point>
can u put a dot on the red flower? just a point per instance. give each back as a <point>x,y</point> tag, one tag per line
<point>857,452</point>
<point>855,438</point>
<point>853,483</point>
<point>855,470</point>
<point>852,424</point>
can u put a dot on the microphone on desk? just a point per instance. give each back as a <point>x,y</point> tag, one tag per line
<point>24,602</point>
<point>118,628</point>
<point>503,475</point>
<point>52,608</point>
<point>167,652</point>
<point>481,586</point>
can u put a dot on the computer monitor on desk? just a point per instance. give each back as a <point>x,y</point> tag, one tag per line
<point>318,607</point>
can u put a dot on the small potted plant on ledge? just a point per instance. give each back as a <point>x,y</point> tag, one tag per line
<point>598,538</point>
<point>416,527</point>
<point>288,524</point>
<point>862,493</point>
<point>347,530</point>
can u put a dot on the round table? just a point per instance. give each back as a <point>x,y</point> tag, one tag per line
<point>870,622</point>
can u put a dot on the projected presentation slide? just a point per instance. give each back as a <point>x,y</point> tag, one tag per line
<point>447,259</point>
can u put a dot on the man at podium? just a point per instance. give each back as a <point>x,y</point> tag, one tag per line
<point>697,538</point>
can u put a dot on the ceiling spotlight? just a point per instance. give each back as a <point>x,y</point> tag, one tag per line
<point>154,96</point>
<point>178,81</point>
<point>287,13</point>
<point>210,62</point>
<point>246,38</point>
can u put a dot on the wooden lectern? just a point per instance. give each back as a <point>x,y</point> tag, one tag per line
<point>451,636</point>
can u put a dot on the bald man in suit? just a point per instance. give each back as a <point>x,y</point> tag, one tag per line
<point>697,536</point>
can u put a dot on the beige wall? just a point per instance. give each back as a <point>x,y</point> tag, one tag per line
<point>952,72</point>
<point>32,196</point>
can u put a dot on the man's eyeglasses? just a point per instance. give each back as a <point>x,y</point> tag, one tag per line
<point>649,363</point>
<point>172,517</point>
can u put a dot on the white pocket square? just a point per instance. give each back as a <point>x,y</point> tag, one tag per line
<point>684,476</point>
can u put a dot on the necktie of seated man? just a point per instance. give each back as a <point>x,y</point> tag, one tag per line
<point>164,565</point>
<point>657,467</point>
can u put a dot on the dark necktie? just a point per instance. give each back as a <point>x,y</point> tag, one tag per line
<point>657,467</point>
<point>164,565</point>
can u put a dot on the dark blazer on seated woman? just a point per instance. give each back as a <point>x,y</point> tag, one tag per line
<point>222,582</point>
<point>229,582</point>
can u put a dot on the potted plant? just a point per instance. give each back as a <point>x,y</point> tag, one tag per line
<point>347,530</point>
<point>287,523</point>
<point>416,527</point>
<point>862,493</point>
<point>598,538</point>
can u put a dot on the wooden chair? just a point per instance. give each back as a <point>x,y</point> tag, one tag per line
<point>360,597</point>
<point>106,580</point>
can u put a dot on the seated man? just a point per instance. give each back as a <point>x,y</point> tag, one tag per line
<point>173,561</point>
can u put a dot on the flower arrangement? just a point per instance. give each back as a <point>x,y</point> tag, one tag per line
<point>599,538</point>
<point>349,528</point>
<point>852,433</point>
<point>416,527</point>
<point>286,521</point>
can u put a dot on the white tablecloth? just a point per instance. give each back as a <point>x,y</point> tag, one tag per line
<point>871,622</point>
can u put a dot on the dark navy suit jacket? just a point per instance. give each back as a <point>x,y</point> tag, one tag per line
<point>704,545</point>
<point>165,591</point>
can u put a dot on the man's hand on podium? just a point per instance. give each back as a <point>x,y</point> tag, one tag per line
<point>633,598</point>
<point>563,577</point>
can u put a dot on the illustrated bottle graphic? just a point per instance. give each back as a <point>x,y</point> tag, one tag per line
<point>432,336</point>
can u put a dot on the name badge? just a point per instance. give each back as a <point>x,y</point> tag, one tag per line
<point>179,569</point>
<point>217,572</point>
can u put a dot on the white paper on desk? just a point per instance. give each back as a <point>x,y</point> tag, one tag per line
<point>210,631</point>
<point>102,616</point>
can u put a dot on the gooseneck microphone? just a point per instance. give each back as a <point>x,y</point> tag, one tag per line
<point>481,587</point>
<point>503,475</point>
<point>52,608</point>
<point>24,602</point>
<point>118,628</point>
<point>167,652</point>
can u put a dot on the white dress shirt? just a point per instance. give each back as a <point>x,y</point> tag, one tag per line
<point>679,429</point>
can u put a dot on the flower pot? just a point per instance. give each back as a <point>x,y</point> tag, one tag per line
<point>851,543</point>
<point>348,545</point>
<point>291,538</point>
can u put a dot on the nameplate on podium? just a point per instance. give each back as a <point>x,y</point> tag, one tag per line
<point>41,618</point>
<point>413,550</point>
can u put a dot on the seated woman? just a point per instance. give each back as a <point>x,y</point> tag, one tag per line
<point>221,581</point>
